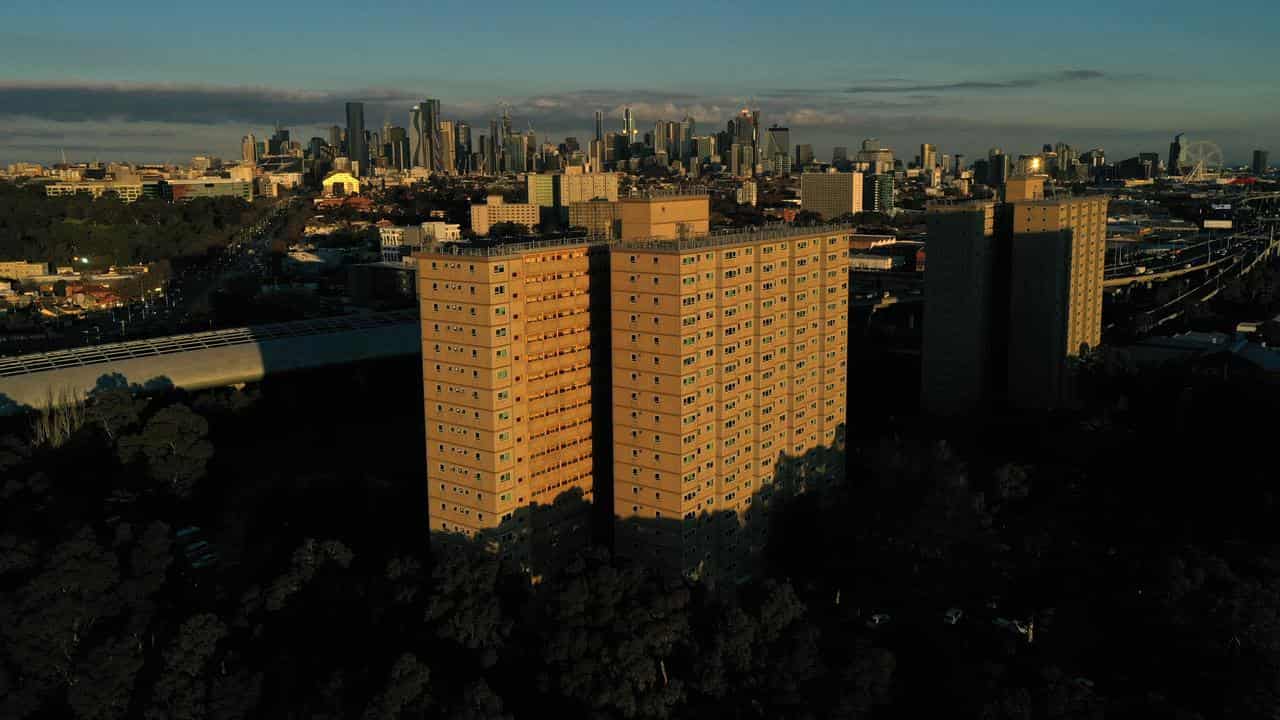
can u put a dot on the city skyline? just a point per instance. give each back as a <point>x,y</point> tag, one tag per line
<point>164,92</point>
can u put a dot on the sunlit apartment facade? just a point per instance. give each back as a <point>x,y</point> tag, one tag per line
<point>728,351</point>
<point>507,375</point>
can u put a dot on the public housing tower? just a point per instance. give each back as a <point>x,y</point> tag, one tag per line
<point>1013,291</point>
<point>660,377</point>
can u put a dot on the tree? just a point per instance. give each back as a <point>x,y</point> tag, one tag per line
<point>463,607</point>
<point>807,218</point>
<point>604,637</point>
<point>181,692</point>
<point>406,688</point>
<point>507,229</point>
<point>174,446</point>
<point>308,559</point>
<point>45,623</point>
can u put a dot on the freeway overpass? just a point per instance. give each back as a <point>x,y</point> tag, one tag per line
<point>207,359</point>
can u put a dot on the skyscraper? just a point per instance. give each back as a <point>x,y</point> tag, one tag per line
<point>877,194</point>
<point>629,127</point>
<point>398,147</point>
<point>249,149</point>
<point>1175,155</point>
<point>928,157</point>
<point>357,150</point>
<point>997,167</point>
<point>804,155</point>
<point>464,148</point>
<point>599,126</point>
<point>437,153</point>
<point>335,139</point>
<point>448,148</point>
<point>1259,162</point>
<point>493,151</point>
<point>776,155</point>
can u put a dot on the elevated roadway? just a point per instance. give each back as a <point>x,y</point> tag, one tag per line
<point>202,360</point>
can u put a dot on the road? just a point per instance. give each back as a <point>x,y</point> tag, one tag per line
<point>173,308</point>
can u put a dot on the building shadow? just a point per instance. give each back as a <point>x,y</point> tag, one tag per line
<point>721,549</point>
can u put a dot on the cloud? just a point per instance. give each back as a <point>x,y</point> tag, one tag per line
<point>1030,81</point>
<point>201,104</point>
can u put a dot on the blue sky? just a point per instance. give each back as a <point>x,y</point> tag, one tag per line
<point>164,80</point>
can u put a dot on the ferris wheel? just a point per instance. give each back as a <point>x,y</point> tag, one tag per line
<point>1200,160</point>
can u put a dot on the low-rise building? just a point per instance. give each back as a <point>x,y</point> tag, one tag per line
<point>21,270</point>
<point>187,190</point>
<point>497,211</point>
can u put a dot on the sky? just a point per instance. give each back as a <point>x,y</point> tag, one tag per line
<point>162,81</point>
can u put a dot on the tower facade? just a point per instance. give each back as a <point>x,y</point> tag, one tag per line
<point>728,351</point>
<point>357,147</point>
<point>507,369</point>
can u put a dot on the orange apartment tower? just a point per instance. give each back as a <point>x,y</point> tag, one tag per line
<point>660,379</point>
<point>728,351</point>
<point>507,375</point>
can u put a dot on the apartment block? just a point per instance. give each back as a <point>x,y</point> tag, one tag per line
<point>600,218</point>
<point>507,351</point>
<point>1058,260</point>
<point>1012,292</point>
<point>666,216</point>
<point>497,211</point>
<point>831,194</point>
<point>728,351</point>
<point>961,309</point>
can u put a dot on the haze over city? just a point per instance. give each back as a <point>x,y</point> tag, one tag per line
<point>159,85</point>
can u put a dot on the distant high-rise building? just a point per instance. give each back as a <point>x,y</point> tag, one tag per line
<point>493,152</point>
<point>776,155</point>
<point>839,155</point>
<point>1175,156</point>
<point>832,194</point>
<point>877,194</point>
<point>249,149</point>
<point>357,150</point>
<point>998,168</point>
<point>424,136</point>
<point>448,148</point>
<point>704,147</point>
<point>599,126</point>
<point>438,152</point>
<point>804,155</point>
<point>1260,165</point>
<point>928,156</point>
<point>397,143</point>
<point>335,139</point>
<point>463,150</point>
<point>685,132</point>
<point>878,159</point>
<point>629,127</point>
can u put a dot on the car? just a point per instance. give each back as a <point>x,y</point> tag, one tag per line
<point>952,616</point>
<point>878,620</point>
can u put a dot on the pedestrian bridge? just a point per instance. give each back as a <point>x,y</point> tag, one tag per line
<point>202,360</point>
